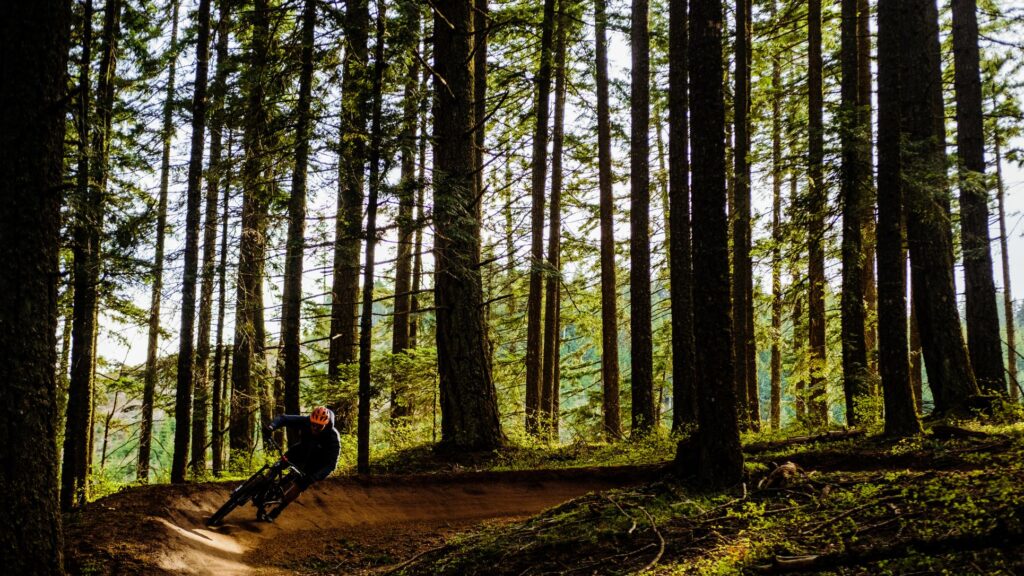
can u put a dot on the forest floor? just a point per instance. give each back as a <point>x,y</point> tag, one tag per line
<point>834,505</point>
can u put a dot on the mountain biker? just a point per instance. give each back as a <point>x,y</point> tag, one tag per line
<point>316,453</point>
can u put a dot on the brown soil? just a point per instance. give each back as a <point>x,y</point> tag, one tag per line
<point>340,526</point>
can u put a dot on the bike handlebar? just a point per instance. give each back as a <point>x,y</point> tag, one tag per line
<point>269,435</point>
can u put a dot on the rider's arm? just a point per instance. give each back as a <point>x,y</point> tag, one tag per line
<point>288,420</point>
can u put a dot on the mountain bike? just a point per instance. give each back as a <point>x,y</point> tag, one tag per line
<point>265,489</point>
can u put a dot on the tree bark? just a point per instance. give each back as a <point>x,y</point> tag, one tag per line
<point>552,299</point>
<point>355,112</point>
<point>641,350</point>
<point>817,394</point>
<point>719,457</point>
<point>220,357</point>
<point>983,338</point>
<point>1011,337</point>
<point>87,231</point>
<point>864,94</point>
<point>186,349</point>
<point>34,39</point>
<point>152,349</point>
<point>469,408</point>
<point>609,293</point>
<point>853,196</point>
<point>538,177</point>
<point>400,406</point>
<point>214,180</point>
<point>929,235</point>
<point>366,317</point>
<point>248,339</point>
<point>742,291</point>
<point>684,386</point>
<point>291,314</point>
<point>775,392</point>
<point>893,361</point>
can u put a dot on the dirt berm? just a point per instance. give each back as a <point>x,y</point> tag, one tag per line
<point>344,525</point>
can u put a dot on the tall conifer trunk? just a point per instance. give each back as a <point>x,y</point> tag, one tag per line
<point>775,387</point>
<point>406,202</point>
<point>929,235</point>
<point>86,234</point>
<point>853,194</point>
<point>817,193</point>
<point>291,321</point>
<point>248,339</point>
<point>355,112</point>
<point>469,407</point>
<point>34,38</point>
<point>552,298</point>
<point>641,346</point>
<point>719,459</point>
<point>534,305</point>
<point>186,349</point>
<point>152,350</point>
<point>983,338</point>
<point>1011,337</point>
<point>609,292</point>
<point>893,357</point>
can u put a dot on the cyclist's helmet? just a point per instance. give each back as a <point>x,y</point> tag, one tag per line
<point>320,418</point>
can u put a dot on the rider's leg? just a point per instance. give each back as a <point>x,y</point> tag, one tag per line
<point>290,495</point>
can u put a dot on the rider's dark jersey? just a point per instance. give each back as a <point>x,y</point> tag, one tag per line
<point>315,454</point>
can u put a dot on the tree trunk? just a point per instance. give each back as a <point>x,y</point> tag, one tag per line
<point>34,39</point>
<point>853,196</point>
<point>552,312</point>
<point>183,397</point>
<point>366,317</point>
<point>894,369</point>
<point>201,402</point>
<point>220,371</point>
<point>742,287</point>
<point>929,235</point>
<point>1011,338</point>
<point>864,95</point>
<point>87,230</point>
<point>641,351</point>
<point>984,345</point>
<point>916,358</point>
<point>406,200</point>
<point>469,408</point>
<point>248,336</point>
<point>719,456</point>
<point>775,408</point>
<point>417,261</point>
<point>215,180</point>
<point>798,377</point>
<point>684,391</point>
<point>291,313</point>
<point>817,394</point>
<point>355,112</point>
<point>152,349</point>
<point>538,177</point>
<point>609,293</point>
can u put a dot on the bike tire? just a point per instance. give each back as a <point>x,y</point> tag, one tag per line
<point>237,498</point>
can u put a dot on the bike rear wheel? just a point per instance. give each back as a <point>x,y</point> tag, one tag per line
<point>238,497</point>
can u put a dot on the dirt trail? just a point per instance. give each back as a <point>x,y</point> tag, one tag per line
<point>340,526</point>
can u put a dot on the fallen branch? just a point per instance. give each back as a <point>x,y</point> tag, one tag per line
<point>661,539</point>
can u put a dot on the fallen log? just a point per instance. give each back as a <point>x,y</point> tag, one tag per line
<point>830,436</point>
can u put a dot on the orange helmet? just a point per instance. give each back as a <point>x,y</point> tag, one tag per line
<point>320,417</point>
